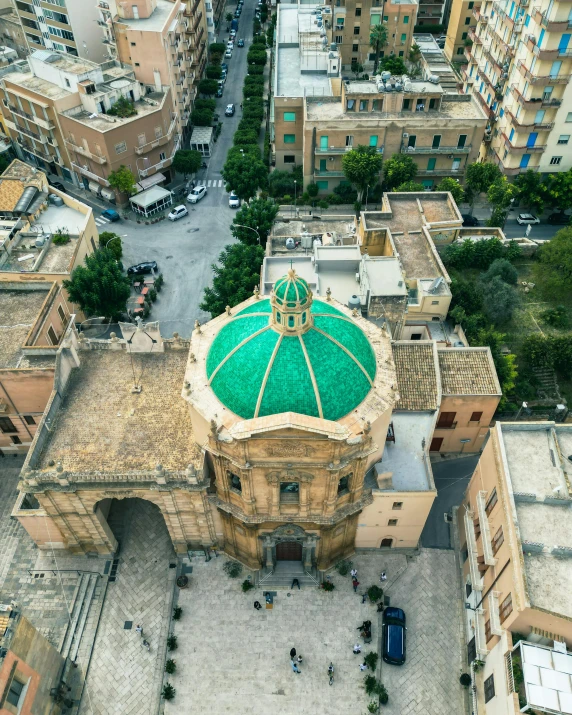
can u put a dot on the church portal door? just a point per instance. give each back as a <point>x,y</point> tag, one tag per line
<point>288,551</point>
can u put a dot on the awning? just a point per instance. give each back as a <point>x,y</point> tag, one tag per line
<point>153,180</point>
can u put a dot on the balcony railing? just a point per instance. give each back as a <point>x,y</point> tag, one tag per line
<point>488,54</point>
<point>474,37</point>
<point>467,77</point>
<point>341,149</point>
<point>521,124</point>
<point>485,529</point>
<point>528,149</point>
<point>476,578</point>
<point>40,121</point>
<point>144,148</point>
<point>480,18</point>
<point>90,175</point>
<point>533,101</point>
<point>551,25</point>
<point>480,637</point>
<point>333,173</point>
<point>27,146</point>
<point>540,79</point>
<point>494,616</point>
<point>441,172</point>
<point>164,163</point>
<point>436,150</point>
<point>446,425</point>
<point>86,152</point>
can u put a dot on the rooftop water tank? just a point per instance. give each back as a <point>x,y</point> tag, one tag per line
<point>354,302</point>
<point>385,76</point>
<point>290,244</point>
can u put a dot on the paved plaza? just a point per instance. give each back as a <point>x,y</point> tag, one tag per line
<point>234,659</point>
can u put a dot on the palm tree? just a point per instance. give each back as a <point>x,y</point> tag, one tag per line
<point>377,40</point>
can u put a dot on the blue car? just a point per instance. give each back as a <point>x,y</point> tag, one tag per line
<point>110,215</point>
<point>393,638</point>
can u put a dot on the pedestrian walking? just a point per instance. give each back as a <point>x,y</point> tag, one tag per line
<point>295,582</point>
<point>295,667</point>
<point>147,645</point>
<point>364,598</point>
<point>139,630</point>
<point>363,667</point>
<point>383,576</point>
<point>293,653</point>
<point>357,649</point>
<point>355,584</point>
<point>353,573</point>
<point>241,105</point>
<point>257,605</point>
<point>300,660</point>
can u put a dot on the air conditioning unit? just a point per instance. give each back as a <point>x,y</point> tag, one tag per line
<point>357,277</point>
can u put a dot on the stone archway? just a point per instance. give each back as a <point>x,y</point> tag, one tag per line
<point>290,542</point>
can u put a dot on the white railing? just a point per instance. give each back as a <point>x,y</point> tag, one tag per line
<point>161,164</point>
<point>476,578</point>
<point>480,638</point>
<point>494,614</point>
<point>90,174</point>
<point>485,529</point>
<point>158,141</point>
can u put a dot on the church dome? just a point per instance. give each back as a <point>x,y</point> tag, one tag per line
<point>291,353</point>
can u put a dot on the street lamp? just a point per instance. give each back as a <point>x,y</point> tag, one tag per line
<point>294,197</point>
<point>241,225</point>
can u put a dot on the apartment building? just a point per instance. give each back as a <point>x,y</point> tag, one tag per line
<point>519,69</point>
<point>63,25</point>
<point>11,32</point>
<point>516,542</point>
<point>317,116</point>
<point>352,24</point>
<point>164,42</point>
<point>461,24</point>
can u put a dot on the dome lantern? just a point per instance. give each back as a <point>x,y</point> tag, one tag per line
<point>291,303</point>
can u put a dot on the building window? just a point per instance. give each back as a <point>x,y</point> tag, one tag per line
<point>403,38</point>
<point>406,19</point>
<point>289,492</point>
<point>375,19</point>
<point>121,147</point>
<point>436,141</point>
<point>376,106</point>
<point>52,336</point>
<point>569,117</point>
<point>234,481</point>
<point>339,39</point>
<point>467,21</point>
<point>406,104</point>
<point>505,608</point>
<point>340,22</point>
<point>460,50</point>
<point>476,417</point>
<point>290,321</point>
<point>15,692</point>
<point>420,106</point>
<point>356,30</point>
<point>392,522</point>
<point>343,485</point>
<point>349,140</point>
<point>29,420</point>
<point>358,11</point>
<point>498,540</point>
<point>289,116</point>
<point>289,138</point>
<point>385,18</point>
<point>6,425</point>
<point>431,164</point>
<point>322,185</point>
<point>464,35</point>
<point>373,140</point>
<point>133,44</point>
<point>289,159</point>
<point>488,631</point>
<point>434,302</point>
<point>15,439</point>
<point>491,501</point>
<point>471,650</point>
<point>471,5</point>
<point>563,139</point>
<point>489,688</point>
<point>397,505</point>
<point>363,105</point>
<point>555,160</point>
<point>446,420</point>
<point>355,48</point>
<point>162,156</point>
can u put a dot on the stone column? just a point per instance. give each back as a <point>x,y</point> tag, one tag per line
<point>269,562</point>
<point>274,484</point>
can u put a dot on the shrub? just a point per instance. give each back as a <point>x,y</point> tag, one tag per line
<point>556,317</point>
<point>233,569</point>
<point>312,189</point>
<point>343,567</point>
<point>465,680</point>
<point>168,691</point>
<point>172,642</point>
<point>242,138</point>
<point>249,125</point>
<point>502,268</point>
<point>323,204</point>
<point>373,707</point>
<point>371,660</point>
<point>253,91</point>
<point>327,586</point>
<point>60,239</point>
<point>255,70</point>
<point>254,81</point>
<point>247,585</point>
<point>170,666</point>
<point>122,108</point>
<point>383,694</point>
<point>177,613</point>
<point>152,295</point>
<point>346,192</point>
<point>159,282</point>
<point>370,684</point>
<point>374,593</point>
<point>209,104</point>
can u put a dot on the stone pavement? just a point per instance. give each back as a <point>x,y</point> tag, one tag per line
<point>234,659</point>
<point>123,677</point>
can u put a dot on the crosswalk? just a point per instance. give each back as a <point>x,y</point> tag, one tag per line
<point>101,220</point>
<point>214,183</point>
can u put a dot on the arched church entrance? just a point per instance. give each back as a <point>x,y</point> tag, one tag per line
<point>289,551</point>
<point>289,545</point>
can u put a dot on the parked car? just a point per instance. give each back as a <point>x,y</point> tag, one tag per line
<point>224,67</point>
<point>559,219</point>
<point>110,215</point>
<point>527,219</point>
<point>229,111</point>
<point>59,186</point>
<point>237,14</point>
<point>178,212</point>
<point>219,92</point>
<point>393,636</point>
<point>228,54</point>
<point>233,201</point>
<point>233,34</point>
<point>223,74</point>
<point>143,268</point>
<point>469,220</point>
<point>197,194</point>
<point>240,43</point>
<point>220,83</point>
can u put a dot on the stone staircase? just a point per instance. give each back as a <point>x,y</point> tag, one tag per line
<point>85,606</point>
<point>283,575</point>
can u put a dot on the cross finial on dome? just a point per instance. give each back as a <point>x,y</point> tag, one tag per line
<point>291,272</point>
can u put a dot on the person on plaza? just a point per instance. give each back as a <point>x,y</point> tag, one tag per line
<point>353,573</point>
<point>257,605</point>
<point>383,576</point>
<point>363,667</point>
<point>300,659</point>
<point>295,667</point>
<point>357,649</point>
<point>295,582</point>
<point>355,584</point>
<point>364,598</point>
<point>380,607</point>
<point>139,630</point>
<point>147,645</point>
<point>293,653</point>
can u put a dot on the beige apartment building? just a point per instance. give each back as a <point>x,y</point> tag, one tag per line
<point>11,31</point>
<point>66,26</point>
<point>461,29</point>
<point>519,69</point>
<point>165,43</point>
<point>316,116</point>
<point>353,21</point>
<point>516,542</point>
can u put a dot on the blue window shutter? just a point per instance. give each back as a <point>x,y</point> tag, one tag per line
<point>501,112</point>
<point>526,20</point>
<point>510,136</point>
<point>511,13</point>
<point>541,37</point>
<point>531,141</point>
<point>564,41</point>
<point>524,161</point>
<point>488,98</point>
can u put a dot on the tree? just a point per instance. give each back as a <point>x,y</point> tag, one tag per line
<point>505,364</point>
<point>99,287</point>
<point>187,161</point>
<point>554,268</point>
<point>500,300</point>
<point>502,268</point>
<point>361,167</point>
<point>377,41</point>
<point>256,57</point>
<point>208,87</point>
<point>410,186</point>
<point>243,137</point>
<point>501,194</point>
<point>209,104</point>
<point>281,183</point>
<point>202,117</point>
<point>4,162</point>
<point>123,107</point>
<point>112,242</point>
<point>217,47</point>
<point>357,69</point>
<point>122,180</point>
<point>229,17</point>
<point>453,186</point>
<point>235,277</point>
<point>478,178</point>
<point>532,190</point>
<point>414,54</point>
<point>393,64</point>
<point>244,173</point>
<point>214,72</point>
<point>397,170</point>
<point>560,190</point>
<point>259,214</point>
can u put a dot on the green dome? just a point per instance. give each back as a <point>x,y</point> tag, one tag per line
<point>291,288</point>
<point>324,370</point>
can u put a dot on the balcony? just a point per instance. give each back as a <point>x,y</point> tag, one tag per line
<point>521,124</point>
<point>46,156</point>
<point>196,22</point>
<point>436,150</point>
<point>467,53</point>
<point>86,152</point>
<point>494,615</point>
<point>163,164</point>
<point>160,141</point>
<point>485,529</point>
<point>480,18</point>
<point>340,149</point>
<point>333,173</point>
<point>28,132</point>
<point>535,49</point>
<point>476,578</point>
<point>540,79</point>
<point>442,172</point>
<point>550,25</point>
<point>474,37</point>
<point>480,637</point>
<point>528,149</point>
<point>467,77</point>
<point>90,175</point>
<point>40,121</point>
<point>497,62</point>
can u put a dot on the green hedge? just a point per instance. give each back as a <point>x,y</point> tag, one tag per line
<point>250,125</point>
<point>246,137</point>
<point>255,70</point>
<point>253,91</point>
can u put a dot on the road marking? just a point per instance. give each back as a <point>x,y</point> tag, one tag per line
<point>220,183</point>
<point>209,183</point>
<point>100,221</point>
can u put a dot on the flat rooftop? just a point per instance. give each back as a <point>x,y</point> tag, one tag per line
<point>28,81</point>
<point>62,217</point>
<point>384,276</point>
<point>135,432</point>
<point>341,227</point>
<point>105,122</point>
<point>155,22</point>
<point>18,310</point>
<point>318,111</point>
<point>405,458</point>
<point>533,454</point>
<point>274,267</point>
<point>415,86</point>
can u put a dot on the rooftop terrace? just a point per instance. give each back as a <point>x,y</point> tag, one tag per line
<point>18,310</point>
<point>107,122</point>
<point>155,22</point>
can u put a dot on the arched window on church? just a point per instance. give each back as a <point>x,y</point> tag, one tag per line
<point>303,318</point>
<point>290,321</point>
<point>278,318</point>
<point>234,481</point>
<point>344,485</point>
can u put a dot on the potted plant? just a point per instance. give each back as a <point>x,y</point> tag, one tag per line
<point>168,691</point>
<point>327,586</point>
<point>177,613</point>
<point>383,694</point>
<point>465,680</point>
<point>233,569</point>
<point>371,660</point>
<point>170,666</point>
<point>375,593</point>
<point>343,567</point>
<point>182,580</point>
<point>247,585</point>
<point>172,642</point>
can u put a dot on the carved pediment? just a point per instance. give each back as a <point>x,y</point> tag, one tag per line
<point>288,475</point>
<point>289,448</point>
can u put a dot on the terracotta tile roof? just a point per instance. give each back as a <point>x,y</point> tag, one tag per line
<point>10,192</point>
<point>417,378</point>
<point>468,371</point>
